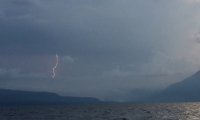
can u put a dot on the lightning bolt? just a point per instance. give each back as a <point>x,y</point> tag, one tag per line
<point>55,66</point>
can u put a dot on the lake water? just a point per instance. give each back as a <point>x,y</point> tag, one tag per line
<point>183,111</point>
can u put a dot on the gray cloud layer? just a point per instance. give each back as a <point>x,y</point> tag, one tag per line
<point>114,46</point>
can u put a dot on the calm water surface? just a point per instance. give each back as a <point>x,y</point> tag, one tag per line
<point>183,111</point>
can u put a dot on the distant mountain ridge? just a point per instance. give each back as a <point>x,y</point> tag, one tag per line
<point>17,97</point>
<point>187,90</point>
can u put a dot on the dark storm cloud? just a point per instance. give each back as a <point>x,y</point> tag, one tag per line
<point>18,32</point>
<point>113,46</point>
<point>29,27</point>
<point>16,9</point>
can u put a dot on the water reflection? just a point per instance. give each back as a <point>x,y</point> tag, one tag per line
<point>183,111</point>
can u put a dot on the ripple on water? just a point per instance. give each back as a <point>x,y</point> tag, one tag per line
<point>183,111</point>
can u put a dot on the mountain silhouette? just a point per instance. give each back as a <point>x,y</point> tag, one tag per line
<point>16,97</point>
<point>187,90</point>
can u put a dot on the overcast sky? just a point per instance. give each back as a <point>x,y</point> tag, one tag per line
<point>106,48</point>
